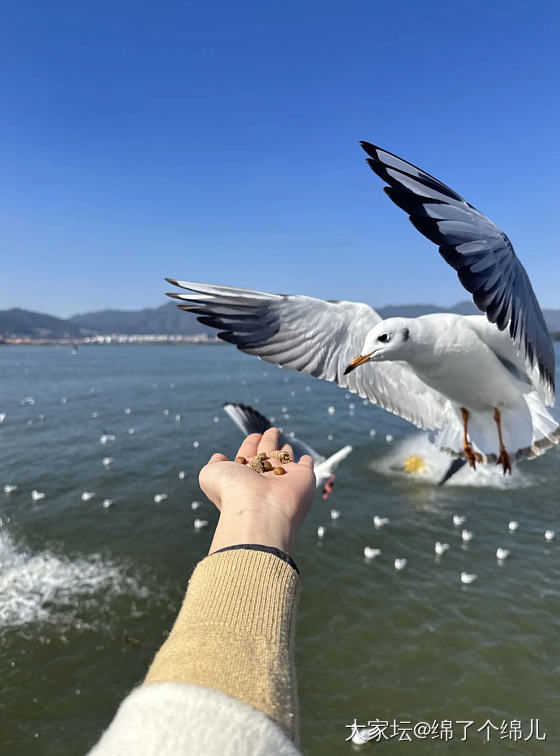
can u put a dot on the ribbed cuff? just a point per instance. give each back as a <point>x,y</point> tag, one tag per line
<point>251,590</point>
<point>260,547</point>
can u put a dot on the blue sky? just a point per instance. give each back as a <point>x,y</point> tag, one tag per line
<point>218,142</point>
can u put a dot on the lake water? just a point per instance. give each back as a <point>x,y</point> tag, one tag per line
<point>372,642</point>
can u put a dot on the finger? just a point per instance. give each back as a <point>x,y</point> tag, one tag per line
<point>217,458</point>
<point>249,446</point>
<point>307,461</point>
<point>269,440</point>
<point>288,448</point>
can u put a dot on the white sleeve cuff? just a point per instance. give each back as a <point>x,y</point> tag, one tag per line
<point>180,719</point>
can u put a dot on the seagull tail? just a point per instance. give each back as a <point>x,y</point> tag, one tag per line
<point>325,469</point>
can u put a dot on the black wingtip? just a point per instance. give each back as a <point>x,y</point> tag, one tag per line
<point>453,468</point>
<point>172,281</point>
<point>371,149</point>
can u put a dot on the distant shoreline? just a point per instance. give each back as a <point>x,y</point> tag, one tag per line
<point>118,340</point>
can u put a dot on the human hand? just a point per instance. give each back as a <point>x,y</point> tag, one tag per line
<point>261,508</point>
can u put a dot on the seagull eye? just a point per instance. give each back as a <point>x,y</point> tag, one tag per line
<point>384,337</point>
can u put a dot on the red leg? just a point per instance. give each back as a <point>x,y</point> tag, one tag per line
<point>503,458</point>
<point>471,456</point>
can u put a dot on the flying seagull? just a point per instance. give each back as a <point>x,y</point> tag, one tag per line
<point>481,383</point>
<point>248,420</point>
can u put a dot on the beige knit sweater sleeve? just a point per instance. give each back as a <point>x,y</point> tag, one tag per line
<point>235,633</point>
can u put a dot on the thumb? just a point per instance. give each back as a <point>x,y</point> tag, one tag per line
<point>307,461</point>
<point>217,458</point>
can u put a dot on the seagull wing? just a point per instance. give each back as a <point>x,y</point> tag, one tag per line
<point>249,420</point>
<point>317,337</point>
<point>480,252</point>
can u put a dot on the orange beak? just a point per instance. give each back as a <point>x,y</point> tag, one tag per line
<point>359,360</point>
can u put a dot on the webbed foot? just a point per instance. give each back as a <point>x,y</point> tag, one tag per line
<point>471,455</point>
<point>504,461</point>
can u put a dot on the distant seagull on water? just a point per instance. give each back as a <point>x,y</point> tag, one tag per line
<point>379,522</point>
<point>482,383</point>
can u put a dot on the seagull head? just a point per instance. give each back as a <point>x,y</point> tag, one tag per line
<point>386,341</point>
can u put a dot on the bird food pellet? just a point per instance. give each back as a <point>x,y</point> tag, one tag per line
<point>267,465</point>
<point>263,456</point>
<point>281,455</point>
<point>257,464</point>
<point>279,471</point>
<point>240,460</point>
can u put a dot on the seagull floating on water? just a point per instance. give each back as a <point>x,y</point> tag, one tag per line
<point>502,554</point>
<point>440,548</point>
<point>458,520</point>
<point>335,514</point>
<point>106,437</point>
<point>468,578</point>
<point>199,524</point>
<point>37,495</point>
<point>379,522</point>
<point>320,531</point>
<point>548,534</point>
<point>87,495</point>
<point>195,505</point>
<point>400,564</point>
<point>160,497</point>
<point>370,553</point>
<point>248,420</point>
<point>107,503</point>
<point>513,525</point>
<point>11,488</point>
<point>482,383</point>
<point>466,535</point>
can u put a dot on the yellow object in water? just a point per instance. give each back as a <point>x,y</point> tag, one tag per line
<point>414,464</point>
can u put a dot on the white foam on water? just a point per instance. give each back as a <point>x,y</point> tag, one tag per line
<point>44,587</point>
<point>435,463</point>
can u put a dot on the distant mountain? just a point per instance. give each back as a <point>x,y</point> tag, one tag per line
<point>165,319</point>
<point>552,319</point>
<point>168,319</point>
<point>17,322</point>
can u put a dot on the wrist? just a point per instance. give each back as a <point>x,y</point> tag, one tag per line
<point>243,525</point>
